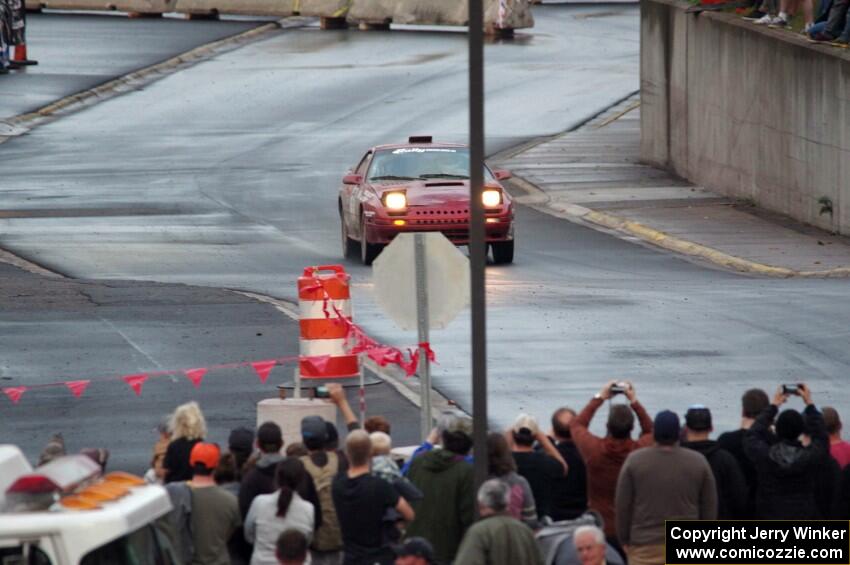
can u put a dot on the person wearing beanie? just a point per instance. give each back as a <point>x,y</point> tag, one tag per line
<point>658,483</point>
<point>732,492</point>
<point>788,471</point>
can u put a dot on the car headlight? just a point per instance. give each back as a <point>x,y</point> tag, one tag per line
<point>395,200</point>
<point>491,198</point>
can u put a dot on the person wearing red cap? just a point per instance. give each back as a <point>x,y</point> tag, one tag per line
<point>205,515</point>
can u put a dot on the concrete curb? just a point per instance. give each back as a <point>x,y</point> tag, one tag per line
<point>540,200</point>
<point>23,123</point>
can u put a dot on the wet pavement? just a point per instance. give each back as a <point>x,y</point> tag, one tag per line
<point>226,175</point>
<point>56,330</point>
<point>79,51</point>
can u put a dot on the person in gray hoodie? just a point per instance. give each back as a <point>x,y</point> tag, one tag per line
<point>260,479</point>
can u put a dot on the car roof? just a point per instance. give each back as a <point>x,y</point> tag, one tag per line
<point>424,145</point>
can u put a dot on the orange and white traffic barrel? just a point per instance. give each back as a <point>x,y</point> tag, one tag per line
<point>324,298</point>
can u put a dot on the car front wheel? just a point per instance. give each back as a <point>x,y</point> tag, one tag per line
<point>503,252</point>
<point>349,246</point>
<point>368,251</point>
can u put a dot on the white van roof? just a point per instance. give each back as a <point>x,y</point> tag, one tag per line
<point>13,464</point>
<point>118,512</point>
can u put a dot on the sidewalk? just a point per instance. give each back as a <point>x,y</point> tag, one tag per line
<point>593,175</point>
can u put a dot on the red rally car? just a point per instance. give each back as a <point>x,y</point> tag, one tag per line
<point>420,186</point>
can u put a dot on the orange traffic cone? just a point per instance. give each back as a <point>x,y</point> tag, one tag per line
<point>19,59</point>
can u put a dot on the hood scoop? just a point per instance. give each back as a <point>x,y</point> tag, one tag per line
<point>445,183</point>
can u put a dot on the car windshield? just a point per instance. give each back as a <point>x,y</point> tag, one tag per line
<point>422,163</point>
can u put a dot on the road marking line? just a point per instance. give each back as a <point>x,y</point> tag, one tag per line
<point>135,346</point>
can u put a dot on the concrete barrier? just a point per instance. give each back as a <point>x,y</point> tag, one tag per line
<point>131,6</point>
<point>746,111</point>
<point>498,14</point>
<point>288,414</point>
<point>280,8</point>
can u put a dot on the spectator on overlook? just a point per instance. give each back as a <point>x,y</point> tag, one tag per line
<point>753,402</point>
<point>837,25</point>
<point>603,457</point>
<point>501,465</point>
<point>658,483</point>
<point>731,485</point>
<point>273,514</point>
<point>498,538</point>
<point>361,501</point>
<point>538,468</point>
<point>787,470</point>
<point>445,478</point>
<point>838,448</point>
<point>569,493</point>
<point>187,427</point>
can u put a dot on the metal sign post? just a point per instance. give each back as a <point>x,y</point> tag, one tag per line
<point>423,323</point>
<point>477,240</point>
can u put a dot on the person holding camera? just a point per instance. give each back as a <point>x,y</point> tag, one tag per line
<point>604,456</point>
<point>788,466</point>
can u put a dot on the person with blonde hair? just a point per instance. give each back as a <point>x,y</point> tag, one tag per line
<point>188,427</point>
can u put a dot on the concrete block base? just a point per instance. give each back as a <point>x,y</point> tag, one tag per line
<point>287,413</point>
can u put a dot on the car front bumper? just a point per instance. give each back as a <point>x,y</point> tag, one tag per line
<point>498,227</point>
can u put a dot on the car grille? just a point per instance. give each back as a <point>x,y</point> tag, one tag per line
<point>439,216</point>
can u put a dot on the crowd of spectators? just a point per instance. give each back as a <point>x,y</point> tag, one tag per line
<point>566,497</point>
<point>830,24</point>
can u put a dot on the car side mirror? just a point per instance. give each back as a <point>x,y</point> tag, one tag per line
<point>352,179</point>
<point>502,174</point>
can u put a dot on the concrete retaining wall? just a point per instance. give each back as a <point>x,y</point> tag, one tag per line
<point>746,111</point>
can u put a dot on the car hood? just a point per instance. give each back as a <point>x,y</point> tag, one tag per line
<point>433,192</point>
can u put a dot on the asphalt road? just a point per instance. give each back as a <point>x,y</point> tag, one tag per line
<point>56,330</point>
<point>80,51</point>
<point>226,175</point>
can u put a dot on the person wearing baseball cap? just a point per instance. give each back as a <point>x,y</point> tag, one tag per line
<point>540,468</point>
<point>732,492</point>
<point>204,515</point>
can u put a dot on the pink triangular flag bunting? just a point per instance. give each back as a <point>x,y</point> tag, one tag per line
<point>136,382</point>
<point>319,363</point>
<point>15,393</point>
<point>263,368</point>
<point>77,388</point>
<point>196,376</point>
